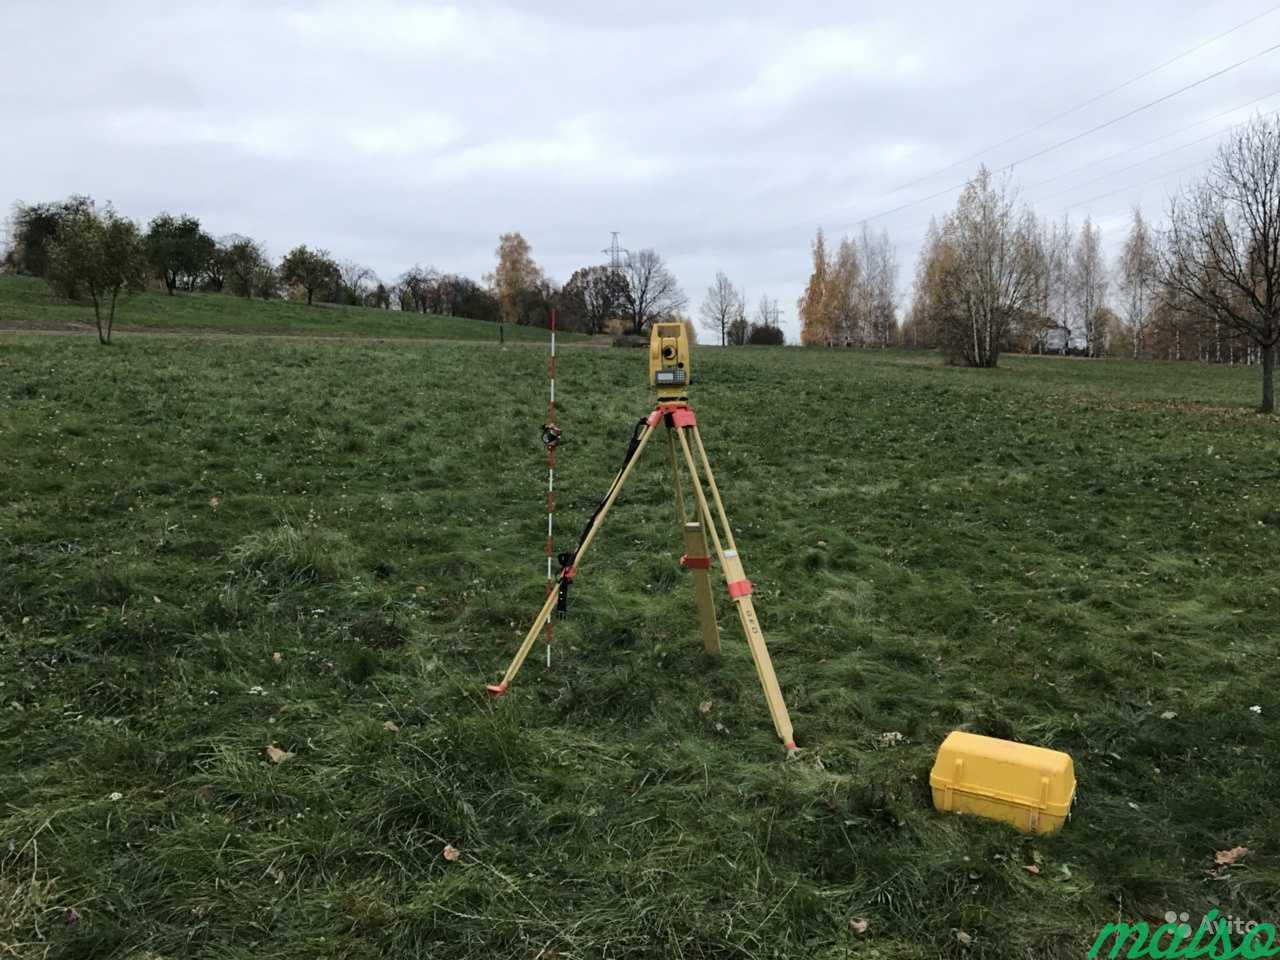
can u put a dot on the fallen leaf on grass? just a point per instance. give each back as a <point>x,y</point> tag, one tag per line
<point>419,589</point>
<point>390,725</point>
<point>214,502</point>
<point>704,706</point>
<point>964,938</point>
<point>451,853</point>
<point>277,658</point>
<point>276,755</point>
<point>1168,715</point>
<point>858,926</point>
<point>1225,858</point>
<point>1032,869</point>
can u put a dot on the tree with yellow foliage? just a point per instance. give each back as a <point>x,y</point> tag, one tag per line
<point>815,315</point>
<point>515,277</point>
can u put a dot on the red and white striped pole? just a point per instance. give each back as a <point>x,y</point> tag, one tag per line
<point>551,437</point>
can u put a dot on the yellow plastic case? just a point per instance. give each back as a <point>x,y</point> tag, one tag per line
<point>1028,787</point>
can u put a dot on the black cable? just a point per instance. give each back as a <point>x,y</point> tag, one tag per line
<point>1165,153</point>
<point>1092,100</point>
<point>1078,136</point>
<point>570,558</point>
<point>1143,146</point>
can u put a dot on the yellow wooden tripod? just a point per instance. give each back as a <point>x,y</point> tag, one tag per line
<point>670,373</point>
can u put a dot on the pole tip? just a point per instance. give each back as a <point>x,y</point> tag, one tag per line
<point>497,689</point>
<point>791,747</point>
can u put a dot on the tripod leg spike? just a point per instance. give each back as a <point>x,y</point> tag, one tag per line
<point>740,591</point>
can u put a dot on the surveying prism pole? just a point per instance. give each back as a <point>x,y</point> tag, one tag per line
<point>551,439</point>
<point>670,374</point>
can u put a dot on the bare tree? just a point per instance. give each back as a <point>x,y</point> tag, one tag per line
<point>355,281</point>
<point>879,283</point>
<point>722,305</point>
<point>1058,294</point>
<point>767,312</point>
<point>1089,285</point>
<point>1221,259</point>
<point>1137,272</point>
<point>417,289</point>
<point>654,292</point>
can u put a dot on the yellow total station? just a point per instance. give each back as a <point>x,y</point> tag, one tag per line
<point>670,371</point>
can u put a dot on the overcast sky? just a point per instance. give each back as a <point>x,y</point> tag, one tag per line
<point>720,134</point>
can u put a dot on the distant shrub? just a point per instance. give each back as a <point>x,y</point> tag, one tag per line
<point>761,335</point>
<point>630,340</point>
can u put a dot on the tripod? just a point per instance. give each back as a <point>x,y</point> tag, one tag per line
<point>682,431</point>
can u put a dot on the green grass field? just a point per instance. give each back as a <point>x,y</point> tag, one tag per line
<point>27,303</point>
<point>1077,554</point>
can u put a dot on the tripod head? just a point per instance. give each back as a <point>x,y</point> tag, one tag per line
<point>670,371</point>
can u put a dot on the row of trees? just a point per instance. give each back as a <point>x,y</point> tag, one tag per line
<point>993,277</point>
<point>178,253</point>
<point>632,295</point>
<point>850,299</point>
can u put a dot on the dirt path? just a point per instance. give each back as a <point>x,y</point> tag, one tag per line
<point>78,330</point>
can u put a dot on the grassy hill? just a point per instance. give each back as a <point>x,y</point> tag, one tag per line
<point>210,547</point>
<point>27,302</point>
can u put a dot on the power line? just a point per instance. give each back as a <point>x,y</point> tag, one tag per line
<point>1163,153</point>
<point>1145,106</point>
<point>1142,146</point>
<point>1092,100</point>
<point>1120,153</point>
<point>1141,183</point>
<point>1072,139</point>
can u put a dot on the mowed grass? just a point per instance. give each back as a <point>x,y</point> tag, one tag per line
<point>28,303</point>
<point>1077,554</point>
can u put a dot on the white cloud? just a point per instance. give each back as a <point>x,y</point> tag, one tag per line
<point>815,60</point>
<point>288,135</point>
<point>410,30</point>
<point>576,150</point>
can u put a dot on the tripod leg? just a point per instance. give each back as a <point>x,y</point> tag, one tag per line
<point>545,613</point>
<point>740,591</point>
<point>696,559</point>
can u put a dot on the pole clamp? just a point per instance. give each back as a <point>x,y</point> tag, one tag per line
<point>739,588</point>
